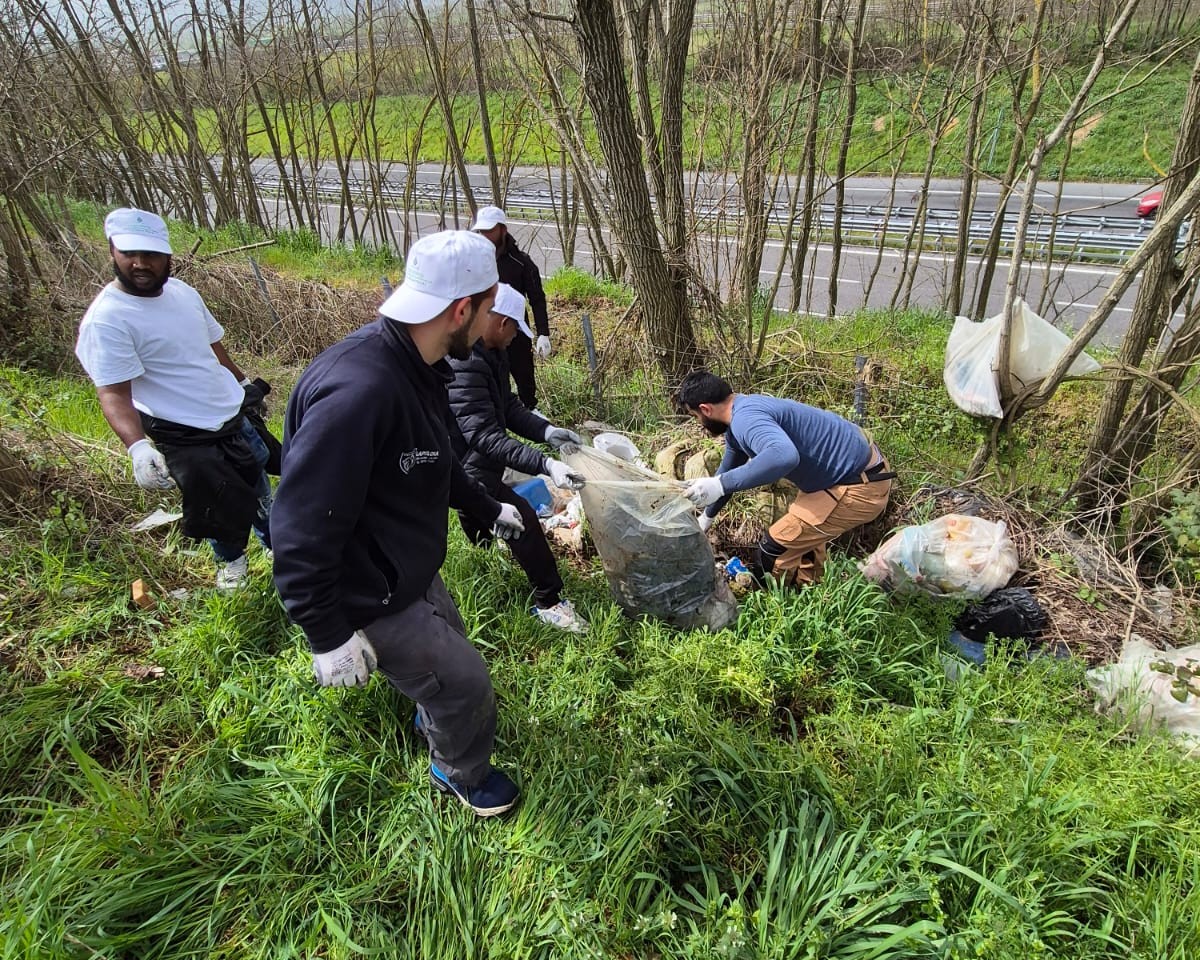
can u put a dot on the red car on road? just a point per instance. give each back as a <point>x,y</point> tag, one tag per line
<point>1148,205</point>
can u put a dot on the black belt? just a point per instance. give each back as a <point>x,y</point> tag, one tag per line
<point>872,474</point>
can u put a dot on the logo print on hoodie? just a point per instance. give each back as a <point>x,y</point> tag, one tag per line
<point>417,458</point>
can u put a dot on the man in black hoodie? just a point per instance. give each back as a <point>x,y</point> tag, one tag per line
<point>518,270</point>
<point>360,515</point>
<point>486,409</point>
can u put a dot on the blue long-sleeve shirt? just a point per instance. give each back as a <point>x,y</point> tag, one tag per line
<point>771,439</point>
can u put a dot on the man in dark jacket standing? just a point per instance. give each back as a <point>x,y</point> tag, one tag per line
<point>486,409</point>
<point>360,517</point>
<point>520,272</point>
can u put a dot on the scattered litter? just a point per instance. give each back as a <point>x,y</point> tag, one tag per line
<point>141,596</point>
<point>952,556</point>
<point>972,358</point>
<point>144,671</point>
<point>159,518</point>
<point>1155,688</point>
<point>535,492</point>
<point>617,444</point>
<point>181,594</point>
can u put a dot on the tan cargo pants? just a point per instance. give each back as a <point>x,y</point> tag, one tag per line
<point>815,519</point>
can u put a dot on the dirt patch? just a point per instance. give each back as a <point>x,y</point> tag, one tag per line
<point>1084,129</point>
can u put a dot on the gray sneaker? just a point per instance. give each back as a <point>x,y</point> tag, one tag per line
<point>231,575</point>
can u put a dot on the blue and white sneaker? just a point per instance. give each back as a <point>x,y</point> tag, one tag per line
<point>497,794</point>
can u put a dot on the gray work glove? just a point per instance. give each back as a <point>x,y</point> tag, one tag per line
<point>509,525</point>
<point>563,476</point>
<point>542,347</point>
<point>149,467</point>
<point>557,436</point>
<point>705,522</point>
<point>349,665</point>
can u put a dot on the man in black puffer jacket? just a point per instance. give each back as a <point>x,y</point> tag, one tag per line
<point>486,410</point>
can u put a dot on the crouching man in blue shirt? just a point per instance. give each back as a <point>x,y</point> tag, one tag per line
<point>843,479</point>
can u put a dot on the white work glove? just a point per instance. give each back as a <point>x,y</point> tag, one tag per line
<point>349,665</point>
<point>557,436</point>
<point>563,476</point>
<point>705,522</point>
<point>149,467</point>
<point>704,491</point>
<point>542,347</point>
<point>509,525</point>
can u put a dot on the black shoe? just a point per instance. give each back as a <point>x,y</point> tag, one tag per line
<point>495,795</point>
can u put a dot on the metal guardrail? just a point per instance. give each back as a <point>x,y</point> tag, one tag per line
<point>1069,237</point>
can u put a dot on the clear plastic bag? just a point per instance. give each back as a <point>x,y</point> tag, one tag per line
<point>972,357</point>
<point>1155,687</point>
<point>952,556</point>
<point>657,560</point>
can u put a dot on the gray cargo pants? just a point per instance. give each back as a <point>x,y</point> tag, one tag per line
<point>424,652</point>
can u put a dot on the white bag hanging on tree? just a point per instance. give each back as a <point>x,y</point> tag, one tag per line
<point>973,355</point>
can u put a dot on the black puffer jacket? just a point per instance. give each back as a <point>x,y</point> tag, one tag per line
<point>482,401</point>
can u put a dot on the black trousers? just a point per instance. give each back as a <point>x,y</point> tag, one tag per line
<point>531,548</point>
<point>520,364</point>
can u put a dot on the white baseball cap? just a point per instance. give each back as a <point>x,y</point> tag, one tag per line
<point>441,268</point>
<point>131,229</point>
<point>510,303</point>
<point>488,217</point>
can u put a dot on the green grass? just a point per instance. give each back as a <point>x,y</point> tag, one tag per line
<point>297,253</point>
<point>804,784</point>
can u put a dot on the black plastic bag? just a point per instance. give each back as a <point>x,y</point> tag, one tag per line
<point>1011,613</point>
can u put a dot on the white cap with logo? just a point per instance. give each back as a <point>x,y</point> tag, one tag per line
<point>441,268</point>
<point>488,217</point>
<point>131,229</point>
<point>511,303</point>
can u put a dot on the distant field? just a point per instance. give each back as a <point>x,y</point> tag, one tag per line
<point>890,129</point>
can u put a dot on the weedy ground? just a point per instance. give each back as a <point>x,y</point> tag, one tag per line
<point>806,783</point>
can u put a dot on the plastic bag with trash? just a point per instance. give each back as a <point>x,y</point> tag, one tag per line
<point>657,560</point>
<point>952,556</point>
<point>973,355</point>
<point>1155,688</point>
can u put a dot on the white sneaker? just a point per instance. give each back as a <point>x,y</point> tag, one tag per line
<point>563,616</point>
<point>231,575</point>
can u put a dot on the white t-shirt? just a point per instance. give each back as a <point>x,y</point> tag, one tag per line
<point>163,346</point>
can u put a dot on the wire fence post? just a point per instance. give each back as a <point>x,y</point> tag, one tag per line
<point>589,342</point>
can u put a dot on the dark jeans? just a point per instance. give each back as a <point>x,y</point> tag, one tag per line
<point>225,551</point>
<point>424,652</point>
<point>531,549</point>
<point>520,364</point>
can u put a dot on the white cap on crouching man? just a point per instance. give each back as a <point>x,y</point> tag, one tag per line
<point>441,268</point>
<point>488,217</point>
<point>131,229</point>
<point>510,303</point>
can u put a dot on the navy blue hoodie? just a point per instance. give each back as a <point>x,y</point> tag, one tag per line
<point>359,520</point>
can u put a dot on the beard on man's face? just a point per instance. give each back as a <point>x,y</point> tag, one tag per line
<point>461,342</point>
<point>715,428</point>
<point>142,283</point>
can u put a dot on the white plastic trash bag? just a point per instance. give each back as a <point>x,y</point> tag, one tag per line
<point>952,556</point>
<point>973,355</point>
<point>1155,688</point>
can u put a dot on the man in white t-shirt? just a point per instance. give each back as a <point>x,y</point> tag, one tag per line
<point>154,352</point>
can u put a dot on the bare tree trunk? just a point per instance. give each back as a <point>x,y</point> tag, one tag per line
<point>661,285</point>
<point>839,182</point>
<point>485,123</point>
